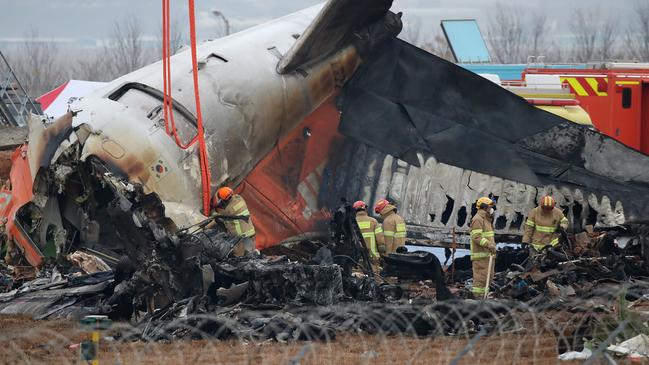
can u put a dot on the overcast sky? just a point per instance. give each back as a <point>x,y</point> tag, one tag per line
<point>86,22</point>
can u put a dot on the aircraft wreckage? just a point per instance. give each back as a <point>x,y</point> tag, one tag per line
<point>298,112</point>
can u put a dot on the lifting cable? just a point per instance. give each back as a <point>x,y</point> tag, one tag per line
<point>170,124</point>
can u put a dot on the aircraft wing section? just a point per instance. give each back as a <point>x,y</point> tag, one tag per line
<point>404,100</point>
<point>337,20</point>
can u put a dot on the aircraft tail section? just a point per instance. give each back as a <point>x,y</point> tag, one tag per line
<point>333,28</point>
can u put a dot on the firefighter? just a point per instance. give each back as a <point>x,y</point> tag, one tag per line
<point>483,246</point>
<point>394,227</point>
<point>227,204</point>
<point>542,225</point>
<point>371,231</point>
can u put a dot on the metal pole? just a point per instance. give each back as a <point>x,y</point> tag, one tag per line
<point>486,291</point>
<point>95,341</point>
<point>89,350</point>
<point>453,248</point>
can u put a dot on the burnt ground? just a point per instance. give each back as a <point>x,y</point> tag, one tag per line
<point>23,340</point>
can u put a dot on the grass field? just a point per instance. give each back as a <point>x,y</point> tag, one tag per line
<point>23,340</point>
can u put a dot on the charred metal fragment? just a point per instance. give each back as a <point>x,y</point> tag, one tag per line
<point>418,266</point>
<point>46,139</point>
<point>55,297</point>
<point>280,282</point>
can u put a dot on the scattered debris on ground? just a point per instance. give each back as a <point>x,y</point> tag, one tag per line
<point>191,287</point>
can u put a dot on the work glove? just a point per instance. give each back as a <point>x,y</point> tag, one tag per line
<point>492,248</point>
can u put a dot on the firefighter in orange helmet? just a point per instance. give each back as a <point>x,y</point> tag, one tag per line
<point>542,226</point>
<point>394,227</point>
<point>371,230</point>
<point>227,204</point>
<point>483,246</point>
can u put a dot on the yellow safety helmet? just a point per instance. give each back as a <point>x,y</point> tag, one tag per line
<point>484,201</point>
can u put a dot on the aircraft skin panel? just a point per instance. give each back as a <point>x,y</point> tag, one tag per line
<point>13,198</point>
<point>283,192</point>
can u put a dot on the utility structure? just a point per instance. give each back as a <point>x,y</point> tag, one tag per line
<point>15,103</point>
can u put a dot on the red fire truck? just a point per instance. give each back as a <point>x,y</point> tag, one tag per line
<point>615,95</point>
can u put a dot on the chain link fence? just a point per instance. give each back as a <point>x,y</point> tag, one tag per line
<point>495,331</point>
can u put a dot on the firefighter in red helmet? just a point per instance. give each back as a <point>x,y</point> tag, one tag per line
<point>394,227</point>
<point>371,230</point>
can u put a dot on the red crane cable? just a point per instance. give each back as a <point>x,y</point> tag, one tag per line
<point>170,125</point>
<point>205,166</point>
<point>165,91</point>
<point>170,122</point>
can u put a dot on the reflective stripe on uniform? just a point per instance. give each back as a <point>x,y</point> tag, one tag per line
<point>249,233</point>
<point>538,246</point>
<point>388,233</point>
<point>378,229</point>
<point>485,237</point>
<point>478,290</point>
<point>475,232</point>
<point>530,222</point>
<point>370,236</point>
<point>564,223</point>
<point>554,242</point>
<point>479,255</point>
<point>545,229</point>
<point>237,227</point>
<point>364,225</point>
<point>401,230</point>
<point>245,213</point>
